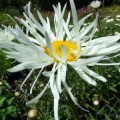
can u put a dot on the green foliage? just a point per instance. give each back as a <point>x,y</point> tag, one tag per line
<point>13,12</point>
<point>7,108</point>
<point>4,65</point>
<point>116,2</point>
<point>5,20</point>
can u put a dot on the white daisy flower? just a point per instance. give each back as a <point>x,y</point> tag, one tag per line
<point>5,35</point>
<point>60,46</point>
<point>95,4</point>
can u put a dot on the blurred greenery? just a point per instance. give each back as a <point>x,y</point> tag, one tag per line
<point>4,65</point>
<point>8,109</point>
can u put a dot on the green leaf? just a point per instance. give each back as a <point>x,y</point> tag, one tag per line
<point>3,117</point>
<point>9,101</point>
<point>2,110</point>
<point>112,88</point>
<point>0,90</point>
<point>14,114</point>
<point>107,117</point>
<point>2,99</point>
<point>10,109</point>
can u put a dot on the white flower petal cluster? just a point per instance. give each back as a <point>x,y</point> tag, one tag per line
<point>117,16</point>
<point>95,4</point>
<point>118,19</point>
<point>109,20</point>
<point>5,35</point>
<point>60,46</point>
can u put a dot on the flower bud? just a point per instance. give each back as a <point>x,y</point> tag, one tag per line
<point>32,114</point>
<point>17,94</point>
<point>96,102</point>
<point>1,83</point>
<point>41,85</point>
<point>109,76</point>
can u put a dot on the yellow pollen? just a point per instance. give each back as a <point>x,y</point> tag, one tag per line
<point>70,47</point>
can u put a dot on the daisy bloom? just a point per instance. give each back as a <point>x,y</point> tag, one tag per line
<point>95,4</point>
<point>60,46</point>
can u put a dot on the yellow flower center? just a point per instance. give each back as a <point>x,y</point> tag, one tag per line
<point>70,47</point>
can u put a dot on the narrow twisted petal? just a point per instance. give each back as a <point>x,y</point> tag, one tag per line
<point>92,73</point>
<point>85,77</point>
<point>72,96</point>
<point>26,78</point>
<point>31,90</point>
<point>37,97</point>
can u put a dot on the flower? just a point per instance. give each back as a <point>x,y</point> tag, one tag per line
<point>95,4</point>
<point>60,46</point>
<point>106,18</point>
<point>117,24</point>
<point>5,35</point>
<point>118,19</point>
<point>109,20</point>
<point>116,33</point>
<point>117,16</point>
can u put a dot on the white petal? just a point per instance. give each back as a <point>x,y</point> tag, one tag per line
<point>48,41</point>
<point>87,61</point>
<point>36,64</point>
<point>116,66</point>
<point>38,96</point>
<point>26,78</point>
<point>109,50</point>
<point>49,73</point>
<point>58,80</point>
<point>92,73</point>
<point>56,101</point>
<point>31,89</point>
<point>52,78</point>
<point>85,77</point>
<point>63,72</point>
<point>18,67</point>
<point>107,64</point>
<point>72,96</point>
<point>64,53</point>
